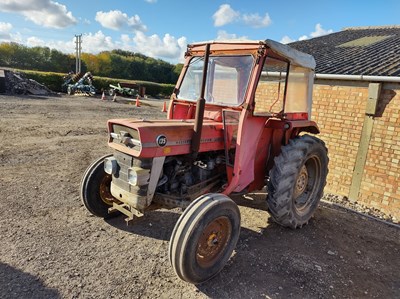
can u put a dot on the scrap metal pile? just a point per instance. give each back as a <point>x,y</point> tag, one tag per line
<point>78,84</point>
<point>17,83</point>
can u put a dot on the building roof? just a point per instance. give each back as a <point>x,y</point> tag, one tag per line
<point>371,51</point>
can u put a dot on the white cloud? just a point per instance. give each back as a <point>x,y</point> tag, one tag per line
<point>5,29</point>
<point>91,43</point>
<point>256,21</point>
<point>151,1</point>
<point>223,35</point>
<point>286,40</point>
<point>86,22</point>
<point>319,31</point>
<point>62,46</point>
<point>225,15</point>
<point>169,47</point>
<point>33,41</point>
<point>117,20</point>
<point>125,38</point>
<point>45,13</point>
<point>97,42</point>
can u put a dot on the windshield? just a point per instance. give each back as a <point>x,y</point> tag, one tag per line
<point>226,83</point>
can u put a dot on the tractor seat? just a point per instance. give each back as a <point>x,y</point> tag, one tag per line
<point>215,115</point>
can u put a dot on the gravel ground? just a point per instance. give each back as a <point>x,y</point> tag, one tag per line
<point>359,207</point>
<point>52,248</point>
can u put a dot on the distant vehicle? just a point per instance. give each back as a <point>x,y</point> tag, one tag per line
<point>124,89</point>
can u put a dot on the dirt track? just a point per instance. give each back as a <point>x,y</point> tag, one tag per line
<point>52,248</point>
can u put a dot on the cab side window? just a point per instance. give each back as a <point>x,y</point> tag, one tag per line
<point>270,92</point>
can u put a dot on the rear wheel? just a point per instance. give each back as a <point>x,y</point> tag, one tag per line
<point>297,181</point>
<point>95,189</point>
<point>204,237</point>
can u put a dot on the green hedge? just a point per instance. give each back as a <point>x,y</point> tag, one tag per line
<point>55,80</point>
<point>152,89</point>
<point>51,80</point>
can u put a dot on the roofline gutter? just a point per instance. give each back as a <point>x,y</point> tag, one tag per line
<point>363,78</point>
<point>357,78</point>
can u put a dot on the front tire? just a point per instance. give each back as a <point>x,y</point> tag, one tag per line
<point>95,189</point>
<point>297,181</point>
<point>204,237</point>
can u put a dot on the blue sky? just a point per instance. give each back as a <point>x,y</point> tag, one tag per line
<point>162,28</point>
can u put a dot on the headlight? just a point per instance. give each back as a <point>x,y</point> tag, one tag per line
<point>138,176</point>
<point>110,165</point>
<point>132,176</point>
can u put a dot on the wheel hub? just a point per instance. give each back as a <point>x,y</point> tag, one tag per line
<point>105,193</point>
<point>301,182</point>
<point>213,241</point>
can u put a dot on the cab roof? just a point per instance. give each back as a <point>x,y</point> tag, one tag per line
<point>294,56</point>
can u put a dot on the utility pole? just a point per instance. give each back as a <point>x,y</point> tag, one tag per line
<point>78,49</point>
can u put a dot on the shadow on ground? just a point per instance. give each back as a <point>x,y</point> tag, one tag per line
<point>17,284</point>
<point>321,260</point>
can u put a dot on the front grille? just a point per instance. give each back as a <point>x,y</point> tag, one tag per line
<point>120,178</point>
<point>119,132</point>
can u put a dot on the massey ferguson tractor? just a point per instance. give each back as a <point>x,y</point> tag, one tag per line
<point>237,121</point>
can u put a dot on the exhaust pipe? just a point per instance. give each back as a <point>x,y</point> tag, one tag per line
<point>200,105</point>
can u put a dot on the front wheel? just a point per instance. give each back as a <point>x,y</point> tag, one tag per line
<point>297,181</point>
<point>204,237</point>
<point>95,189</point>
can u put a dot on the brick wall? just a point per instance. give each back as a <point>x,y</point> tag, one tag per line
<point>380,186</point>
<point>339,110</point>
<point>339,113</point>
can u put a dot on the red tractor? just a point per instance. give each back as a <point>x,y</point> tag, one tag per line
<point>236,122</point>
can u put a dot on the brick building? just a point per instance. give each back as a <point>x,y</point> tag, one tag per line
<point>356,103</point>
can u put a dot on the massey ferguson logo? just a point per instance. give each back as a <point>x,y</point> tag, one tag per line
<point>161,140</point>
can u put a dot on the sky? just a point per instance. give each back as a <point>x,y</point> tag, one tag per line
<point>163,28</point>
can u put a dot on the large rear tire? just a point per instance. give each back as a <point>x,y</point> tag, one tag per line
<point>204,237</point>
<point>95,189</point>
<point>297,181</point>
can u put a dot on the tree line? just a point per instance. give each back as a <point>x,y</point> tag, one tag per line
<point>114,64</point>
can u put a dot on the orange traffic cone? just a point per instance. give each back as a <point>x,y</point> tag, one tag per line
<point>103,96</point>
<point>164,108</point>
<point>137,102</point>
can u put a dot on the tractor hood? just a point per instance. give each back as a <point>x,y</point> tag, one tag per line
<point>156,138</point>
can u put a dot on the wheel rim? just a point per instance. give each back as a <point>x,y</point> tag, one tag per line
<point>301,182</point>
<point>105,192</point>
<point>213,240</point>
<point>306,184</point>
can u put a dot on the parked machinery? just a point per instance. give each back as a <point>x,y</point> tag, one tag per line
<point>124,89</point>
<point>83,84</point>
